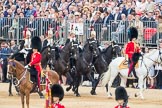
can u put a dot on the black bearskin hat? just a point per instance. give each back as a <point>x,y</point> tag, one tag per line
<point>132,33</point>
<point>36,43</point>
<point>57,91</point>
<point>121,94</point>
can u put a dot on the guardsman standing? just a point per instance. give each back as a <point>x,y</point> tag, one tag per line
<point>121,97</point>
<point>57,94</point>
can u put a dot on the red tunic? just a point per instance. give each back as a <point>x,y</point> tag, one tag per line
<point>58,105</point>
<point>119,106</point>
<point>131,48</point>
<point>36,62</point>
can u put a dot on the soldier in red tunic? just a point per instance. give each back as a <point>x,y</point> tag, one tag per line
<point>121,97</point>
<point>35,62</point>
<point>132,48</point>
<point>57,94</point>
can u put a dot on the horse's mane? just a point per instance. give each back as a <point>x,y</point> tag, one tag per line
<point>44,48</point>
<point>28,57</point>
<point>17,62</point>
<point>105,50</point>
<point>85,46</point>
<point>151,52</point>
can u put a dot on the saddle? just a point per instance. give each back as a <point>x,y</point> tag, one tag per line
<point>124,64</point>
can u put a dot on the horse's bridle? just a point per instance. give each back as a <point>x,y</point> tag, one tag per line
<point>11,73</point>
<point>158,57</point>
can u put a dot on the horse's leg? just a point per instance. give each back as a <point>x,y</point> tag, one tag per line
<point>94,85</point>
<point>77,86</point>
<point>109,85</point>
<point>71,81</point>
<point>123,81</point>
<point>10,87</point>
<point>144,83</point>
<point>27,99</point>
<point>140,85</point>
<point>22,100</point>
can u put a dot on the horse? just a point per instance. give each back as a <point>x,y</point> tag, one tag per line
<point>144,64</point>
<point>22,75</point>
<point>24,58</point>
<point>19,57</point>
<point>83,64</point>
<point>59,59</point>
<point>101,63</point>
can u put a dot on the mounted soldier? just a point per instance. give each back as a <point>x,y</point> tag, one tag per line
<point>71,37</point>
<point>35,62</point>
<point>132,49</point>
<point>74,42</point>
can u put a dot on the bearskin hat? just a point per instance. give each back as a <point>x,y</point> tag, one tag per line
<point>57,91</point>
<point>121,94</point>
<point>132,33</point>
<point>36,43</point>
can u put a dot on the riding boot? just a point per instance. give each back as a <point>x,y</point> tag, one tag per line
<point>130,69</point>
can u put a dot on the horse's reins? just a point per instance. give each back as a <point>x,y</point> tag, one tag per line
<point>23,77</point>
<point>20,80</point>
<point>155,62</point>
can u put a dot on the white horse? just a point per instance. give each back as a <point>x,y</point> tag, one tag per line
<point>155,56</point>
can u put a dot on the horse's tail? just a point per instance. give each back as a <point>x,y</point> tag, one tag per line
<point>105,77</point>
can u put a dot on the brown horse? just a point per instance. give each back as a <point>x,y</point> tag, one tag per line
<point>16,69</point>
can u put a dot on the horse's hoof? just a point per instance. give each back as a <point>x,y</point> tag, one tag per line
<point>142,98</point>
<point>109,95</point>
<point>78,95</point>
<point>41,97</point>
<point>10,94</point>
<point>73,89</point>
<point>93,92</point>
<point>67,89</point>
<point>18,94</point>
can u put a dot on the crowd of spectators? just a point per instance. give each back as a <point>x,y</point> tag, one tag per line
<point>95,12</point>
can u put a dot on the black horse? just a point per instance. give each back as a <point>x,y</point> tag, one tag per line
<point>84,64</point>
<point>101,63</point>
<point>60,59</point>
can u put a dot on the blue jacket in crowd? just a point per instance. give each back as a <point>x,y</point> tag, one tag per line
<point>5,53</point>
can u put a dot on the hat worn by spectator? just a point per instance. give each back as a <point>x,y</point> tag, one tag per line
<point>57,91</point>
<point>76,13</point>
<point>132,33</point>
<point>36,43</point>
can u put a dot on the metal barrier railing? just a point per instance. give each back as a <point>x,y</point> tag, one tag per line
<point>12,28</point>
